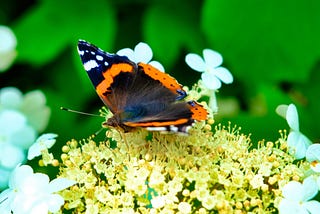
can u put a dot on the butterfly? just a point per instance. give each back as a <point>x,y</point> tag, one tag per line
<point>138,94</point>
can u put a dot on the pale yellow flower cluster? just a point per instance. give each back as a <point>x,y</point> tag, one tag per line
<point>207,171</point>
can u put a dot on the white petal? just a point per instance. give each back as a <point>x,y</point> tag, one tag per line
<point>35,184</point>
<point>39,118</point>
<point>195,62</point>
<point>11,121</point>
<point>19,174</point>
<point>5,201</point>
<point>212,58</point>
<point>318,182</point>
<point>23,202</point>
<point>210,81</point>
<point>4,178</point>
<point>157,65</point>
<point>313,153</point>
<point>48,139</point>
<point>11,97</point>
<point>49,143</point>
<point>298,144</point>
<point>39,208</point>
<point>292,117</point>
<point>45,141</point>
<point>5,194</point>
<point>59,184</point>
<point>35,109</point>
<point>54,203</point>
<point>8,43</point>
<point>45,203</point>
<point>6,59</point>
<point>310,188</point>
<point>312,206</point>
<point>24,137</point>
<point>11,156</point>
<point>224,75</point>
<point>47,136</point>
<point>313,157</point>
<point>143,53</point>
<point>293,191</point>
<point>158,202</point>
<point>35,97</point>
<point>34,151</point>
<point>281,110</point>
<point>315,167</point>
<point>128,53</point>
<point>291,207</point>
<point>8,40</point>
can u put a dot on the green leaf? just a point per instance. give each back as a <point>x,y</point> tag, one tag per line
<point>265,40</point>
<point>261,119</point>
<point>47,29</point>
<point>307,96</point>
<point>169,28</point>
<point>68,124</point>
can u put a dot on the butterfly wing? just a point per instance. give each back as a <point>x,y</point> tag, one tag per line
<point>109,71</point>
<point>176,117</point>
<point>138,95</point>
<point>156,105</point>
<point>102,67</point>
<point>165,79</point>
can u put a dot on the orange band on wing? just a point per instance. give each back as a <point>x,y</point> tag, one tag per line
<point>165,79</point>
<point>198,111</point>
<point>157,124</point>
<point>109,76</point>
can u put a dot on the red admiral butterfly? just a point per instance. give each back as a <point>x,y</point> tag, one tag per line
<point>138,94</point>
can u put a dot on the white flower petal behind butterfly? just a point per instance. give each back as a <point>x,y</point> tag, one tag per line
<point>141,53</point>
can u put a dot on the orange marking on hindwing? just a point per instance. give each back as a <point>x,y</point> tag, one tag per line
<point>157,124</point>
<point>198,111</point>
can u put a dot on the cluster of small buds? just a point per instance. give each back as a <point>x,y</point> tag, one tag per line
<point>208,171</point>
<point>213,169</point>
<point>155,173</point>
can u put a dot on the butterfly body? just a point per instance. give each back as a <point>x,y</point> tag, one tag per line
<point>138,94</point>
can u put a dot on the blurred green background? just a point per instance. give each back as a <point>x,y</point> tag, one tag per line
<point>271,47</point>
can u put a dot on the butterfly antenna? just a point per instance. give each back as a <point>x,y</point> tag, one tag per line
<point>80,112</point>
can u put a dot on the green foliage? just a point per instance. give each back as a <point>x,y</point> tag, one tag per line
<point>271,47</point>
<point>170,27</point>
<point>264,40</point>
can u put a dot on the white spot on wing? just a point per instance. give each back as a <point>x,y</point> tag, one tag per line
<point>188,128</point>
<point>174,128</point>
<point>90,64</point>
<point>100,58</point>
<point>156,128</point>
<point>106,63</point>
